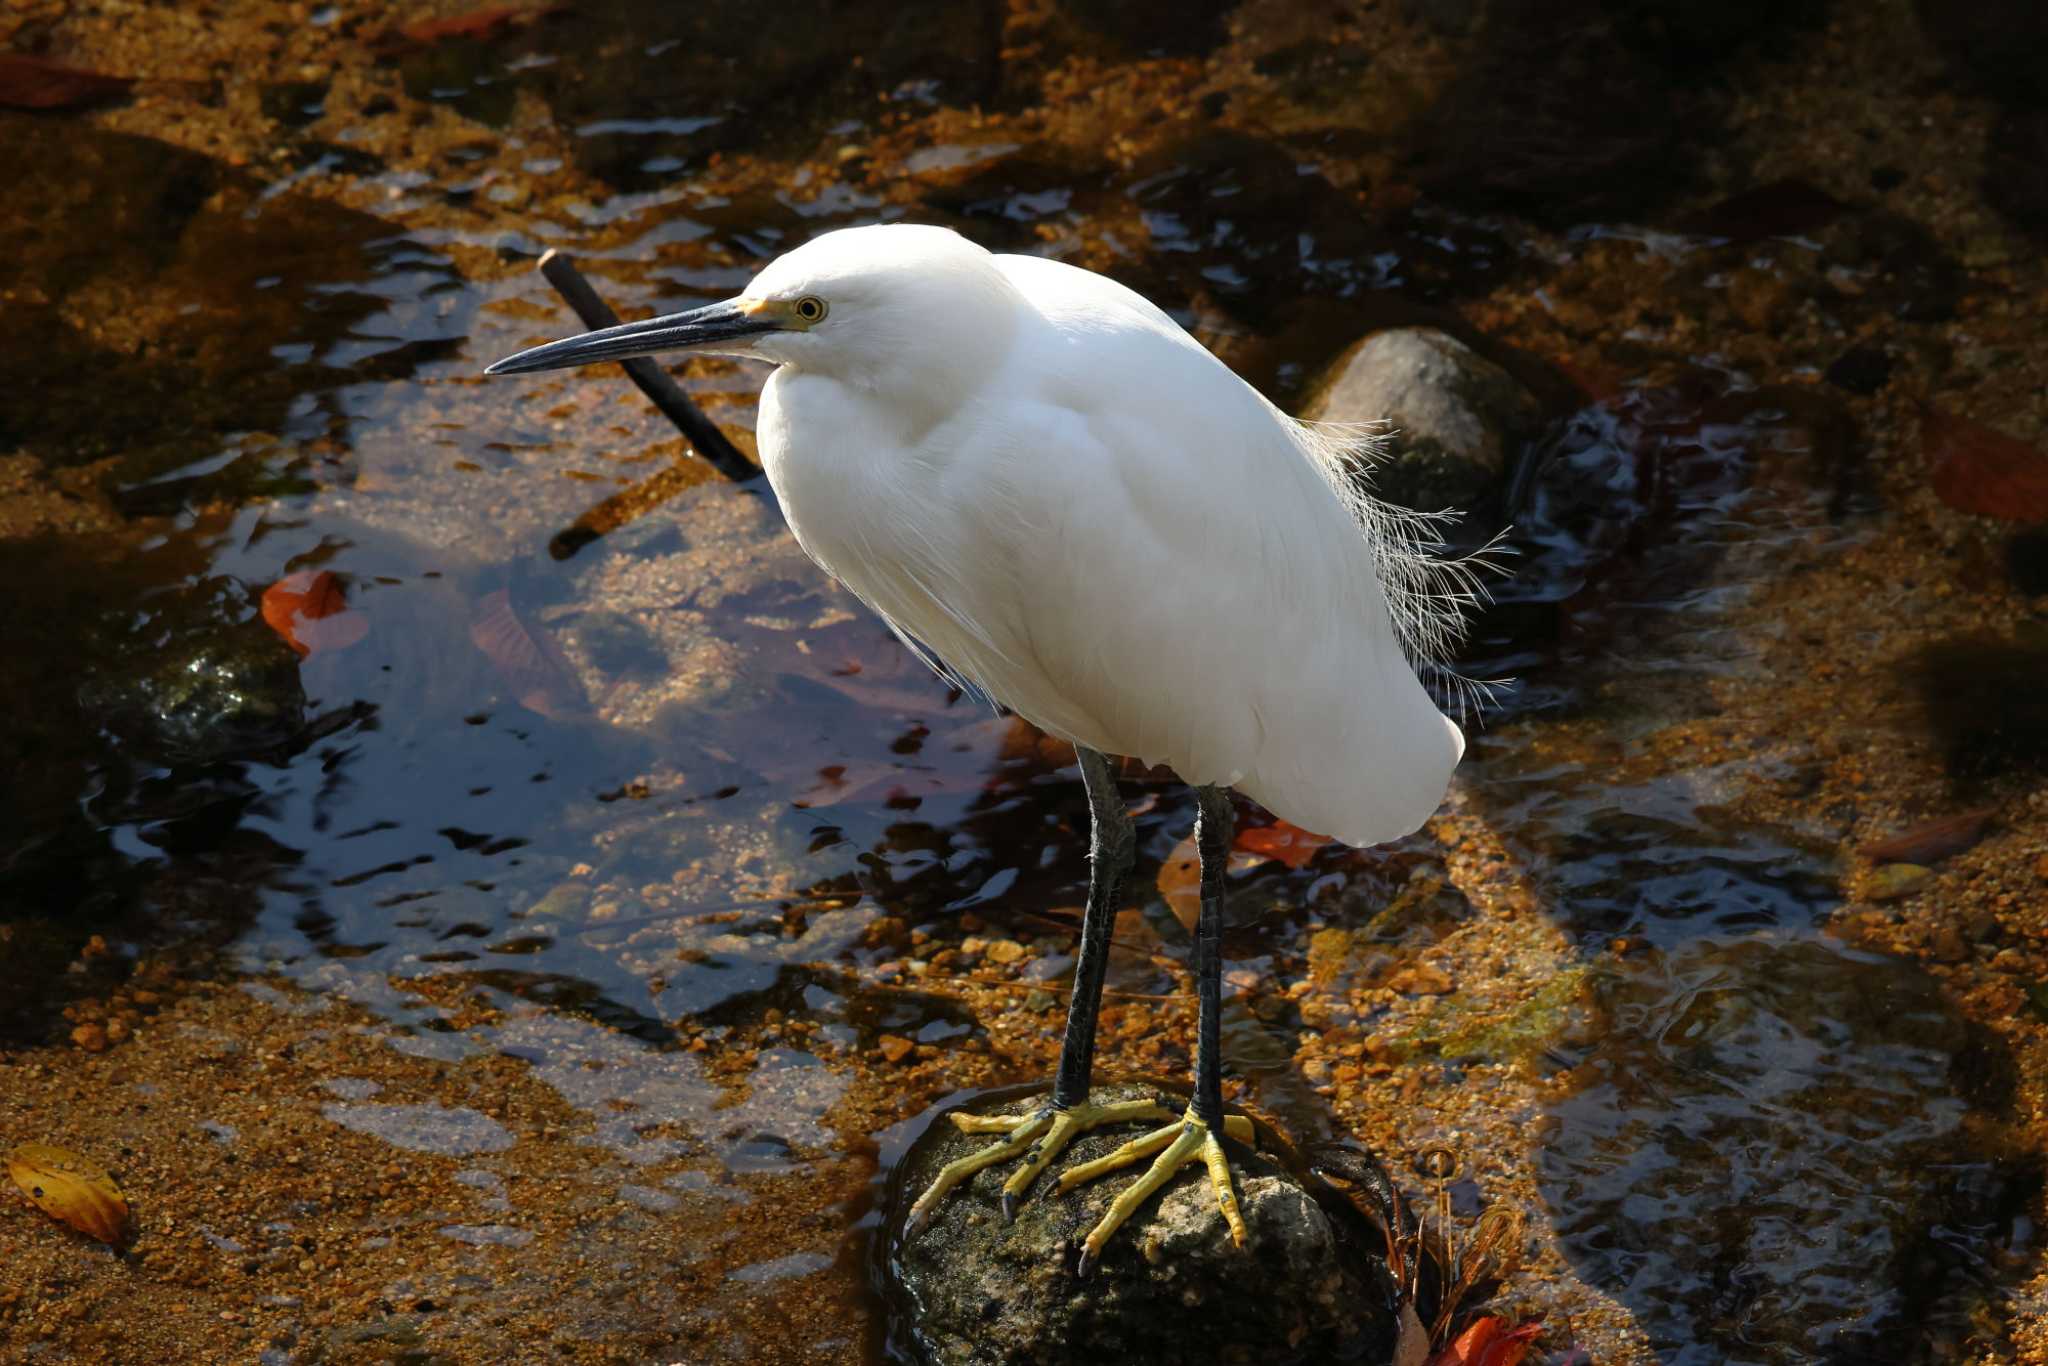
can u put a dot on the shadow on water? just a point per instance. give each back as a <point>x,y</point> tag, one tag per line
<point>1781,1150</point>
<point>1774,1148</point>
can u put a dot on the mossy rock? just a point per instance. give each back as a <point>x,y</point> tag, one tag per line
<point>970,1290</point>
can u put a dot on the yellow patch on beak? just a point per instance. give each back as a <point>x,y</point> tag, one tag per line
<point>789,315</point>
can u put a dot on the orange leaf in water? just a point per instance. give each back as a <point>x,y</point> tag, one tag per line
<point>1977,469</point>
<point>1490,1341</point>
<point>1180,879</point>
<point>527,658</point>
<point>1180,882</point>
<point>33,83</point>
<point>1934,840</point>
<point>310,610</point>
<point>1291,844</point>
<point>72,1189</point>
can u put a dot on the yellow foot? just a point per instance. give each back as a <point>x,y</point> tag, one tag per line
<point>1050,1128</point>
<point>1178,1144</point>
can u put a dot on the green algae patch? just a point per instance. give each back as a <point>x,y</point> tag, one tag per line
<point>1337,955</point>
<point>1329,955</point>
<point>1461,1030</point>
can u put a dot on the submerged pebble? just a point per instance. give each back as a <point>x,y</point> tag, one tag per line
<point>450,1131</point>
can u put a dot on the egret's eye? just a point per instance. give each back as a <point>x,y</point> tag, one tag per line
<point>811,309</point>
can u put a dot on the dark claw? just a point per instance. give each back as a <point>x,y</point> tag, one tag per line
<point>1009,1207</point>
<point>1085,1265</point>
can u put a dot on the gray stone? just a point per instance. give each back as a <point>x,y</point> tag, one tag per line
<point>1455,415</point>
<point>1171,1287</point>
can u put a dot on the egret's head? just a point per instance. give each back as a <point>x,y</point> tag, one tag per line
<point>878,307</point>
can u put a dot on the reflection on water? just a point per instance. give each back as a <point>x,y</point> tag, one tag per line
<point>674,829</point>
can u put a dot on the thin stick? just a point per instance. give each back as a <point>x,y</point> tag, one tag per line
<point>661,390</point>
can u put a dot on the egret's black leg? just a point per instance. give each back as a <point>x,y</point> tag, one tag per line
<point>1214,823</point>
<point>1195,1137</point>
<point>1039,1136</point>
<point>1111,845</point>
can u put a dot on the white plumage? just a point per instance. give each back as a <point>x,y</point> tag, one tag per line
<point>1058,496</point>
<point>1037,476</point>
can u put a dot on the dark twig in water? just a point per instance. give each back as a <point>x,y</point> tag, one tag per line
<point>661,390</point>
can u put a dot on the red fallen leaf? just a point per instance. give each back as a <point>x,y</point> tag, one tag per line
<point>1490,1341</point>
<point>532,665</point>
<point>1290,844</point>
<point>1933,841</point>
<point>1978,469</point>
<point>477,24</point>
<point>35,83</point>
<point>310,610</point>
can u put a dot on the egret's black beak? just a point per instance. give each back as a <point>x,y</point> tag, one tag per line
<point>705,328</point>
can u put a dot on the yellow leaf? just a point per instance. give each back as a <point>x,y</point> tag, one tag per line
<point>72,1189</point>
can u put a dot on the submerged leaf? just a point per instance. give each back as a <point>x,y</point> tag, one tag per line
<point>527,658</point>
<point>72,1189</point>
<point>36,83</point>
<point>1180,882</point>
<point>310,610</point>
<point>1978,469</point>
<point>476,25</point>
<point>1934,840</point>
<point>1290,844</point>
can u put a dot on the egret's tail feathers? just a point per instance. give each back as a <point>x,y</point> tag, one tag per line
<point>1430,591</point>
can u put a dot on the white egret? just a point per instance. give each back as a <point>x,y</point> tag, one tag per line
<point>1055,494</point>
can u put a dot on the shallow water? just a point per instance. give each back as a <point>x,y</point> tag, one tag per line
<point>657,830</point>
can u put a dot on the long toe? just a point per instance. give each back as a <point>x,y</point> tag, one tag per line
<point>1038,1137</point>
<point>1176,1145</point>
<point>958,1170</point>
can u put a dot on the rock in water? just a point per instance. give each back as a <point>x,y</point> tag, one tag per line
<point>1171,1287</point>
<point>210,686</point>
<point>1455,414</point>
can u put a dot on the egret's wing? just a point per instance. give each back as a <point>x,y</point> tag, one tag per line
<point>1183,586</point>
